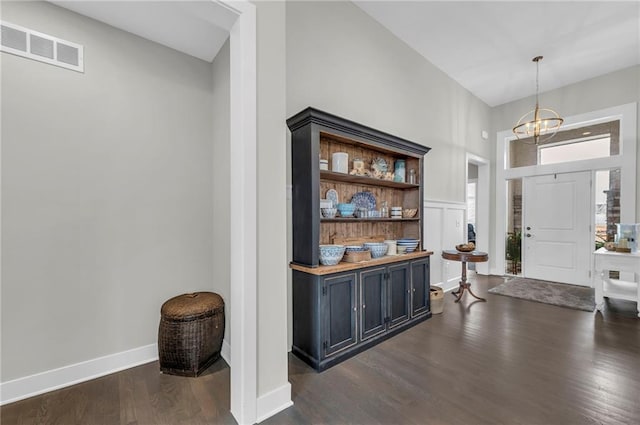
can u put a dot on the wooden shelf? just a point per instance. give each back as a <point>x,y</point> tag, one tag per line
<point>364,180</point>
<point>342,267</point>
<point>365,220</point>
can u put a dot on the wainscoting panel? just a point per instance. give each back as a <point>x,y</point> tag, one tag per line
<point>444,228</point>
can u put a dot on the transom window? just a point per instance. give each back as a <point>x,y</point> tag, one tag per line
<point>589,142</point>
<point>575,150</point>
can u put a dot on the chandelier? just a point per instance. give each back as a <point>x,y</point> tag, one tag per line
<point>540,124</point>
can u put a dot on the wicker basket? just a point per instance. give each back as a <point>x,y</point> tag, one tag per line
<point>436,297</point>
<point>190,333</point>
<point>464,248</point>
<point>356,256</point>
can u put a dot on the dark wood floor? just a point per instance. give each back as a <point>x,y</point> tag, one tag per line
<point>507,361</point>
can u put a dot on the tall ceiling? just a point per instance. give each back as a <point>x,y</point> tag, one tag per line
<point>487,46</point>
<point>196,27</point>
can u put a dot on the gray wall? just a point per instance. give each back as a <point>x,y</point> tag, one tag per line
<point>106,192</point>
<point>272,217</point>
<point>472,172</point>
<point>222,180</point>
<point>342,61</point>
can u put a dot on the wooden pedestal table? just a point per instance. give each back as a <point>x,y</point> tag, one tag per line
<point>464,257</point>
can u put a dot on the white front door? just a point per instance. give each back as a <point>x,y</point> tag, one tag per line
<point>556,237</point>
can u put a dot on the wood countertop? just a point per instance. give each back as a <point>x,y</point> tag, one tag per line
<point>343,267</point>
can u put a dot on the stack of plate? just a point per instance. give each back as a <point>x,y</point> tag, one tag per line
<point>409,243</point>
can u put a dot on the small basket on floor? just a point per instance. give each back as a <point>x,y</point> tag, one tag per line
<point>190,333</point>
<point>436,295</point>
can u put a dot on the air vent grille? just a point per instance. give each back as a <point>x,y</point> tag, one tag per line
<point>34,45</point>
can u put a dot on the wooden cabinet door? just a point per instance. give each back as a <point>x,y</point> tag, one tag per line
<point>399,294</point>
<point>420,282</point>
<point>373,294</point>
<point>339,309</point>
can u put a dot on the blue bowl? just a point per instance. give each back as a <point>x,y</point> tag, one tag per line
<point>410,244</point>
<point>330,255</point>
<point>378,249</point>
<point>355,248</point>
<point>346,210</point>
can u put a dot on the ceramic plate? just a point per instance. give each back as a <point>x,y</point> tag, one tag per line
<point>364,200</point>
<point>379,164</point>
<point>333,196</point>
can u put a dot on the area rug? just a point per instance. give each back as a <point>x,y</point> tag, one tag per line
<point>560,294</point>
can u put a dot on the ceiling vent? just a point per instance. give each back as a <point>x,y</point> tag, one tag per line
<point>34,45</point>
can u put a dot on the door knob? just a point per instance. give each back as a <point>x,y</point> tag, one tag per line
<point>528,235</point>
<point>528,228</point>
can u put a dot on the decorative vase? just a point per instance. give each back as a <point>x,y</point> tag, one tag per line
<point>399,172</point>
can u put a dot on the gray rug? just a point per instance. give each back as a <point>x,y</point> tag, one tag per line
<point>560,294</point>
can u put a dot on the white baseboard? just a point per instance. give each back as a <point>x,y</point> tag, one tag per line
<point>225,352</point>
<point>50,380</point>
<point>273,402</point>
<point>29,386</point>
<point>449,285</point>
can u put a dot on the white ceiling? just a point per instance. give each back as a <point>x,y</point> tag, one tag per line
<point>196,27</point>
<point>487,46</point>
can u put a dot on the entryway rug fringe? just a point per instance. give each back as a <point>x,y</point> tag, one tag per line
<point>560,294</point>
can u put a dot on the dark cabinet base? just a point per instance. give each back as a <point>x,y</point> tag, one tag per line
<point>338,315</point>
<point>321,365</point>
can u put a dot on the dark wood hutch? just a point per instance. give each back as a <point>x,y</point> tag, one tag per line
<point>341,310</point>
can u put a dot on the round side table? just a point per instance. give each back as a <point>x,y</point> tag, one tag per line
<point>464,257</point>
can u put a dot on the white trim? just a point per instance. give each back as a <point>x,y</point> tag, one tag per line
<point>626,161</point>
<point>54,379</point>
<point>483,201</point>
<point>274,402</point>
<point>450,286</point>
<point>439,241</point>
<point>39,383</point>
<point>243,147</point>
<point>451,283</point>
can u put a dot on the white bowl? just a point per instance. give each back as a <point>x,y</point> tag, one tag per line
<point>409,243</point>
<point>329,212</point>
<point>330,255</point>
<point>378,249</point>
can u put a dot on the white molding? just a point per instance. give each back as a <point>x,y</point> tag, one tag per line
<point>433,203</point>
<point>450,284</point>
<point>441,240</point>
<point>49,380</point>
<point>626,161</point>
<point>273,402</point>
<point>483,201</point>
<point>628,145</point>
<point>244,264</point>
<point>448,287</point>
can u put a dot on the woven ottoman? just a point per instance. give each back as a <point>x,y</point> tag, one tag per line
<point>190,333</point>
